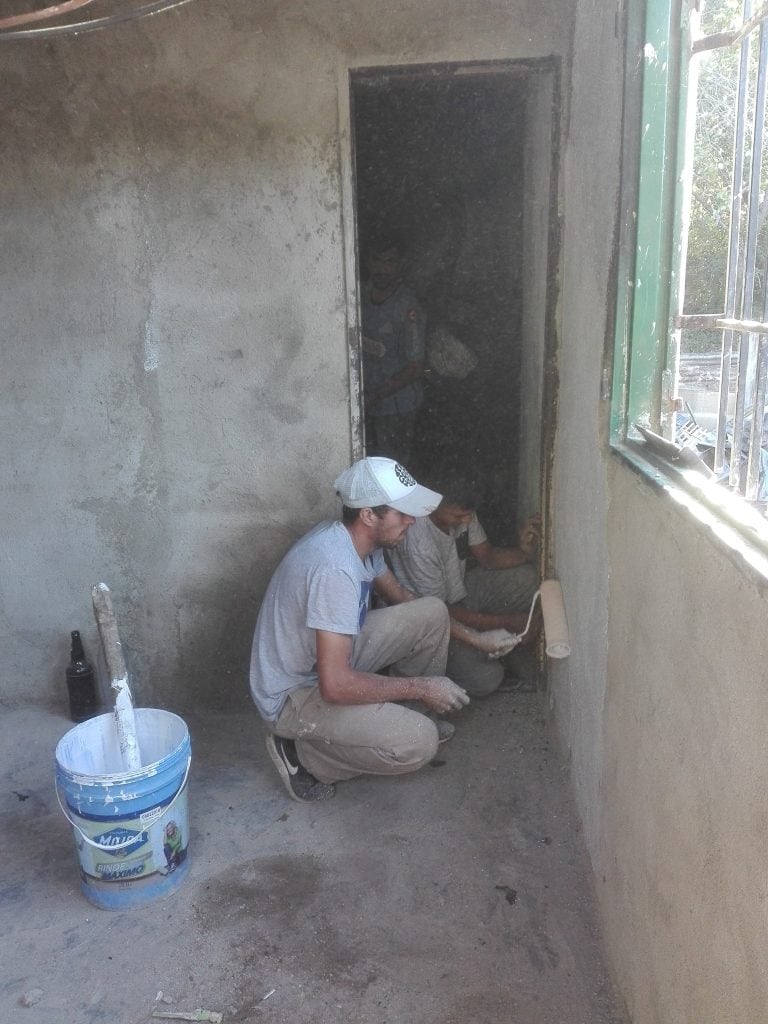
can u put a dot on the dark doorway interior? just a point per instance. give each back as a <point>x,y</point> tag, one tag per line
<point>439,159</point>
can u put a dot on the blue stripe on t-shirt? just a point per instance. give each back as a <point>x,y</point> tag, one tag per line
<point>366,586</point>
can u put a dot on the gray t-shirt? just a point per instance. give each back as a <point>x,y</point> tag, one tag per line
<point>467,536</point>
<point>427,561</point>
<point>322,583</point>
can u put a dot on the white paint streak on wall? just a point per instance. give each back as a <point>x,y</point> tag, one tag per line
<point>151,349</point>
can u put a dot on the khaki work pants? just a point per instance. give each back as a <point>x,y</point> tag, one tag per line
<point>494,592</point>
<point>340,741</point>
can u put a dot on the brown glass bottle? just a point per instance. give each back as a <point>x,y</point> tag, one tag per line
<point>81,683</point>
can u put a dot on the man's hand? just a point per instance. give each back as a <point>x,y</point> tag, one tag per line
<point>528,540</point>
<point>441,694</point>
<point>496,642</point>
<point>530,536</point>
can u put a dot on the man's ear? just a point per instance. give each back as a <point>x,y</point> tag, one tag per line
<point>366,516</point>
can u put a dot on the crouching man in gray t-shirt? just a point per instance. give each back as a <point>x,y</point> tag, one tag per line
<point>491,607</point>
<point>318,647</point>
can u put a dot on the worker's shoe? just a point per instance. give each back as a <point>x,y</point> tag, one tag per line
<point>445,729</point>
<point>297,780</point>
<point>521,672</point>
<point>518,684</point>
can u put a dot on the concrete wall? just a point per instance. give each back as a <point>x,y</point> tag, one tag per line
<point>663,703</point>
<point>176,405</point>
<point>174,333</point>
<point>579,491</point>
<point>682,858</point>
<point>539,281</point>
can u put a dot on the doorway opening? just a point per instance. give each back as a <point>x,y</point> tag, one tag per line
<point>453,170</point>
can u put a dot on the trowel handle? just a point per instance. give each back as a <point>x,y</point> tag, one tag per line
<point>110,641</point>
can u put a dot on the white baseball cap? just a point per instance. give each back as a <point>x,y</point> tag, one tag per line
<point>378,481</point>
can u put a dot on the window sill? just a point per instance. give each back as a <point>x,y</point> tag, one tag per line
<point>740,530</point>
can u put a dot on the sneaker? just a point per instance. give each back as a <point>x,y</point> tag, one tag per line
<point>518,684</point>
<point>521,672</point>
<point>299,783</point>
<point>445,730</point>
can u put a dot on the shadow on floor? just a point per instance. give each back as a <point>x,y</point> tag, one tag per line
<point>458,895</point>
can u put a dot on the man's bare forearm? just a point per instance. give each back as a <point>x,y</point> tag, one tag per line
<point>341,683</point>
<point>354,688</point>
<point>515,622</point>
<point>464,634</point>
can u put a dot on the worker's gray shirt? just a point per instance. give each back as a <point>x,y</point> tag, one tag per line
<point>322,583</point>
<point>425,562</point>
<point>466,537</point>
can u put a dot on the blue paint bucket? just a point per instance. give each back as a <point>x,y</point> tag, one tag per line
<point>131,827</point>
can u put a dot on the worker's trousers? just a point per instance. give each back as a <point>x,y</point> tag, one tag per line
<point>340,741</point>
<point>494,592</point>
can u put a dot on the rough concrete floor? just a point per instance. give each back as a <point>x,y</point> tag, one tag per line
<point>458,895</point>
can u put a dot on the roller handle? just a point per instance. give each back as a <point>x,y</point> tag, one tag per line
<point>125,721</point>
<point>110,641</point>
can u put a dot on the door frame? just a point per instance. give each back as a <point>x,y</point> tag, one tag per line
<point>541,217</point>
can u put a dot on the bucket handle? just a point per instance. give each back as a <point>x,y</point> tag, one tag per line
<point>127,842</point>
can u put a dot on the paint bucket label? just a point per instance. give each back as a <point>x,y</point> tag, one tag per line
<point>131,828</point>
<point>133,848</point>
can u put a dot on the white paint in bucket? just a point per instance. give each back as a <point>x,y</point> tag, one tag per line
<point>131,828</point>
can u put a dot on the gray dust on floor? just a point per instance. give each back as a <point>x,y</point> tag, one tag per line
<point>460,894</point>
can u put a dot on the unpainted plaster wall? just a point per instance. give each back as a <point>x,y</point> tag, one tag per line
<point>663,703</point>
<point>580,497</point>
<point>682,858</point>
<point>174,332</point>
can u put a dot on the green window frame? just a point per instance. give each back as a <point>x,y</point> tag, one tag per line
<point>659,111</point>
<point>645,346</point>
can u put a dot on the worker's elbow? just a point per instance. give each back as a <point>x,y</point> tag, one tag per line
<point>330,690</point>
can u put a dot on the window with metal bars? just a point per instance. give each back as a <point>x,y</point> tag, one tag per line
<point>691,360</point>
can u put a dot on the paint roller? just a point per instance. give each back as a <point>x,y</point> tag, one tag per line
<point>557,641</point>
<point>556,638</point>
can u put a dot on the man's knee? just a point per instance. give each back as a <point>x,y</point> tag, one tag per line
<point>527,577</point>
<point>414,746</point>
<point>432,610</point>
<point>498,591</point>
<point>480,686</point>
<point>478,676</point>
<point>407,742</point>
